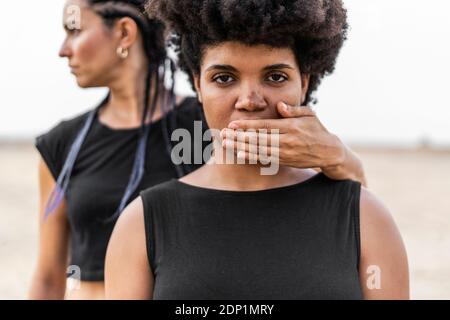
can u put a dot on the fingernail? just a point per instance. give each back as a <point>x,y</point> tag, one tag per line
<point>233,126</point>
<point>223,133</point>
<point>227,144</point>
<point>285,107</point>
<point>228,134</point>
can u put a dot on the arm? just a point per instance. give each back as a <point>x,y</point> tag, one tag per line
<point>323,149</point>
<point>383,255</point>
<point>49,279</point>
<point>304,142</point>
<point>349,166</point>
<point>127,272</point>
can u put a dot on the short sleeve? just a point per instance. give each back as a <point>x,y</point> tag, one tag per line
<point>51,148</point>
<point>54,145</point>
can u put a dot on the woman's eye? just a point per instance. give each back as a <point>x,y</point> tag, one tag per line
<point>223,79</point>
<point>73,31</point>
<point>278,78</point>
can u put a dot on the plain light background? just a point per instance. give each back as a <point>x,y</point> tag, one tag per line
<point>390,86</point>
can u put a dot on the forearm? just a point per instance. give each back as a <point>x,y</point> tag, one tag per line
<point>46,289</point>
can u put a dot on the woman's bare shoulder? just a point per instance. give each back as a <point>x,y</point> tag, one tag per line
<point>383,254</point>
<point>127,251</point>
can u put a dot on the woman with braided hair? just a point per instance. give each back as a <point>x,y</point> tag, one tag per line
<point>95,164</point>
<point>104,151</point>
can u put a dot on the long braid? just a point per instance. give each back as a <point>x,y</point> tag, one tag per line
<point>171,116</point>
<point>139,162</point>
<point>155,50</point>
<point>62,182</point>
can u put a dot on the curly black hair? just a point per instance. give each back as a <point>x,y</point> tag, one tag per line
<point>314,29</point>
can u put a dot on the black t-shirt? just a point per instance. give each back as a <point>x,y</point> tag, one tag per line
<point>295,242</point>
<point>100,176</point>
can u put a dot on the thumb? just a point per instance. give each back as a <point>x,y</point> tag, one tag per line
<point>288,111</point>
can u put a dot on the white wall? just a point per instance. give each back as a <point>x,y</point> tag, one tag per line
<point>390,85</point>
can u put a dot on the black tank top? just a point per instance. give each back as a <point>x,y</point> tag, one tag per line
<point>295,242</point>
<point>100,176</point>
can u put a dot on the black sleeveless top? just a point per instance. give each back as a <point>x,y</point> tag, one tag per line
<point>101,174</point>
<point>295,242</point>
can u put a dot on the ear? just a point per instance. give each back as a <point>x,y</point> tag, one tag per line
<point>126,30</point>
<point>198,87</point>
<point>305,86</point>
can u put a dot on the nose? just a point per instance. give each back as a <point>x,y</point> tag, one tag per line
<point>251,100</point>
<point>65,50</point>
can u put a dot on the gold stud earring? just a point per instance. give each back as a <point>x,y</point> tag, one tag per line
<point>122,52</point>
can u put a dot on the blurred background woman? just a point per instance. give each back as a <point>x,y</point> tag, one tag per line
<point>113,46</point>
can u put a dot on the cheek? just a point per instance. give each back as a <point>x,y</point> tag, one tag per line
<point>290,93</point>
<point>92,49</point>
<point>218,105</point>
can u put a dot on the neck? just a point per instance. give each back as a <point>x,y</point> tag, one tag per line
<point>126,104</point>
<point>248,177</point>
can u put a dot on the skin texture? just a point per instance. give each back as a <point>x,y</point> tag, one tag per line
<point>382,246</point>
<point>304,140</point>
<point>304,143</point>
<point>138,282</point>
<point>91,52</point>
<point>49,280</point>
<point>248,91</point>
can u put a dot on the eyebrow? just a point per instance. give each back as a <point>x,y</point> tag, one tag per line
<point>278,66</point>
<point>226,67</point>
<point>222,67</point>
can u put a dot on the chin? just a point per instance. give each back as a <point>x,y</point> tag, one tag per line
<point>84,84</point>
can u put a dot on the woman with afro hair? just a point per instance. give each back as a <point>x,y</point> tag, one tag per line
<point>228,231</point>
